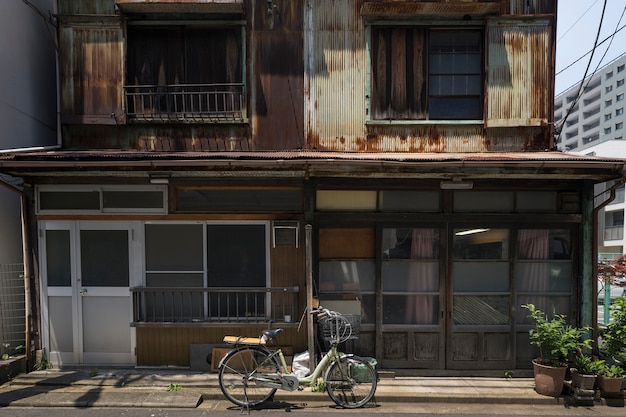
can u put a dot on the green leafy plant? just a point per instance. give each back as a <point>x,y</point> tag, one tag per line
<point>42,365</point>
<point>613,340</point>
<point>174,387</point>
<point>509,374</point>
<point>586,365</point>
<point>557,341</point>
<point>613,371</point>
<point>5,356</point>
<point>318,385</point>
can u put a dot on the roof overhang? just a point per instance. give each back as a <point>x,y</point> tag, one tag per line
<point>515,165</point>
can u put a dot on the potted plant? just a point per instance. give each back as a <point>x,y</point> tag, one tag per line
<point>558,342</point>
<point>611,379</point>
<point>585,371</point>
<point>613,347</point>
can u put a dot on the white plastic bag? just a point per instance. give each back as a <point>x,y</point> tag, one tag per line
<point>300,364</point>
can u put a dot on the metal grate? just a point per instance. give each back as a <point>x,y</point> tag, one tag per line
<point>12,308</point>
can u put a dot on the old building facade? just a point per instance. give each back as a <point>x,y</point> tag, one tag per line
<point>222,159</point>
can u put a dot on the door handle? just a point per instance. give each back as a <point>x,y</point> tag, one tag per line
<point>83,291</point>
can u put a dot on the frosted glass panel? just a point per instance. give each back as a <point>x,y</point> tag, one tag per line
<point>347,276</point>
<point>110,332</point>
<point>58,260</point>
<point>104,258</point>
<point>61,334</point>
<point>480,276</point>
<point>174,247</point>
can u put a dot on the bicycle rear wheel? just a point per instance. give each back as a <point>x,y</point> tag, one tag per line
<point>350,382</point>
<point>237,373</point>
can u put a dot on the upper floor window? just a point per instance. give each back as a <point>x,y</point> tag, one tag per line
<point>426,73</point>
<point>609,75</point>
<point>620,68</point>
<point>620,82</point>
<point>185,72</point>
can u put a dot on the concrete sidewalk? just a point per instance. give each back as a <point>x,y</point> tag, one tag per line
<point>149,388</point>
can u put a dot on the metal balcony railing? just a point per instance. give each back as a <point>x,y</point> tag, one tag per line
<point>185,102</point>
<point>152,305</point>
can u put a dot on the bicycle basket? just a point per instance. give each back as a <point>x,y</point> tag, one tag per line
<point>339,328</point>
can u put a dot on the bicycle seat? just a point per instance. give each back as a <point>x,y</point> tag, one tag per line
<point>272,334</point>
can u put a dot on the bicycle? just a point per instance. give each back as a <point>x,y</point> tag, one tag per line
<point>251,373</point>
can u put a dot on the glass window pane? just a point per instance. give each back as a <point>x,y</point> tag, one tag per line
<point>480,276</point>
<point>199,200</point>
<point>236,255</point>
<point>481,243</point>
<point>174,280</point>
<point>411,309</point>
<point>484,201</point>
<point>549,304</point>
<point>104,258</point>
<point>132,199</point>
<point>480,310</point>
<point>58,260</point>
<point>347,276</point>
<point>69,200</point>
<point>536,201</point>
<point>410,201</point>
<point>462,108</point>
<point>403,243</point>
<point>411,276</point>
<point>543,277</point>
<point>345,200</point>
<point>544,244</point>
<point>174,247</point>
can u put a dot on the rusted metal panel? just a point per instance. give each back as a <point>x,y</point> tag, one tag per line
<point>277,75</point>
<point>453,9</point>
<point>91,7</point>
<point>532,7</point>
<point>181,6</point>
<point>91,66</point>
<point>338,63</point>
<point>519,76</point>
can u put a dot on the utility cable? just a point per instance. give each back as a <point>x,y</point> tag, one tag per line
<point>580,87</point>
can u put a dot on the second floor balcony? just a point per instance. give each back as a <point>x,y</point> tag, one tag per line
<point>614,233</point>
<point>186,102</point>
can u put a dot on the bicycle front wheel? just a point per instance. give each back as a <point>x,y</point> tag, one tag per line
<point>350,382</point>
<point>238,371</point>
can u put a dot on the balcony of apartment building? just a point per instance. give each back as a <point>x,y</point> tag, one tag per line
<point>614,223</point>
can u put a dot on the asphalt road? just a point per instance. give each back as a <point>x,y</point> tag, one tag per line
<point>225,409</point>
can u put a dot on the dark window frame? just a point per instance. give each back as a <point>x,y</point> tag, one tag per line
<point>401,82</point>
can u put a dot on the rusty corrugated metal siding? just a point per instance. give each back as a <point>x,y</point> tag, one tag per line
<point>91,7</point>
<point>339,78</point>
<point>519,76</point>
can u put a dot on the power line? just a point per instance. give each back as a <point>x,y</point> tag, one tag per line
<point>577,20</point>
<point>592,49</point>
<point>580,87</point>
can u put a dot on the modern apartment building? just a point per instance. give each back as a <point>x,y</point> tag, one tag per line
<point>590,120</point>
<point>28,120</point>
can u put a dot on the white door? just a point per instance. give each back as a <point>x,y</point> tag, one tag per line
<point>86,270</point>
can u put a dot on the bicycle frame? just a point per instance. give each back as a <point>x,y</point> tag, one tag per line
<point>275,380</point>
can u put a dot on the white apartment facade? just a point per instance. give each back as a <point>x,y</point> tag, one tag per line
<point>28,120</point>
<point>594,124</point>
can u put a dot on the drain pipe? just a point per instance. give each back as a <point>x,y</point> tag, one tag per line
<point>27,268</point>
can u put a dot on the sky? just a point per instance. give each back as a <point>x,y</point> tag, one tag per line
<point>577,28</point>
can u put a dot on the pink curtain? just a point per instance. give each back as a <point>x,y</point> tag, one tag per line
<point>420,309</point>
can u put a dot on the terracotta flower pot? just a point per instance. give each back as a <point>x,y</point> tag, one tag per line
<point>549,379</point>
<point>610,385</point>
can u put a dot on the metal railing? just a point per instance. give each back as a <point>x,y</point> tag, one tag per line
<point>12,309</point>
<point>185,102</point>
<point>214,305</point>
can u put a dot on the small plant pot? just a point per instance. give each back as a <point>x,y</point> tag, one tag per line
<point>583,381</point>
<point>610,385</point>
<point>548,379</point>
